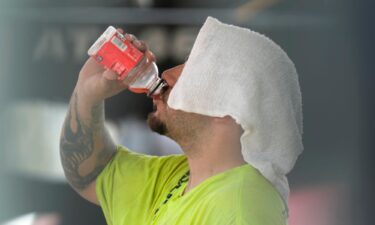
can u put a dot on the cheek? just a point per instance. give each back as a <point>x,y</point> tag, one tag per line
<point>165,95</point>
<point>169,113</point>
<point>165,99</point>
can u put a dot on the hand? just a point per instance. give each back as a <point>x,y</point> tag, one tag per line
<point>96,83</point>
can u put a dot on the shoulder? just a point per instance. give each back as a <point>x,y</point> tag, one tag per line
<point>132,178</point>
<point>127,158</point>
<point>249,198</point>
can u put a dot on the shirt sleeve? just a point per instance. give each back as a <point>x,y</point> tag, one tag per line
<point>254,202</point>
<point>261,205</point>
<point>130,184</point>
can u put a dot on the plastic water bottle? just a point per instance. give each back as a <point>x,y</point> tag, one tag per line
<point>115,52</point>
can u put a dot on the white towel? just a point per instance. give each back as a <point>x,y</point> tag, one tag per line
<point>237,72</point>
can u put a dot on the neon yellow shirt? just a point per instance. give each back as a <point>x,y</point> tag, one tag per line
<point>133,186</point>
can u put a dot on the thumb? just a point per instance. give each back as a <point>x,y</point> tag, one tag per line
<point>110,74</point>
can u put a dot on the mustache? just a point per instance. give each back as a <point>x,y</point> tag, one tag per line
<point>164,93</point>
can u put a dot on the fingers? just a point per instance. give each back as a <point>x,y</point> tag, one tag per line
<point>130,37</point>
<point>150,55</point>
<point>140,45</point>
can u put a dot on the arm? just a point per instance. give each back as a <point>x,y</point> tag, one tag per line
<point>85,145</point>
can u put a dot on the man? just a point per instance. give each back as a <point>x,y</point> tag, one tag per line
<point>233,107</point>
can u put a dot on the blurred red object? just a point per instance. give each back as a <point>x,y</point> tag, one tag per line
<point>319,205</point>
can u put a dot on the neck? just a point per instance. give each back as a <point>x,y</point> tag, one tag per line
<point>212,154</point>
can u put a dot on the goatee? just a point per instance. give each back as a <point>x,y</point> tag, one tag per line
<point>156,124</point>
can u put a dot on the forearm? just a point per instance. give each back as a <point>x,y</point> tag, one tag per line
<point>85,144</point>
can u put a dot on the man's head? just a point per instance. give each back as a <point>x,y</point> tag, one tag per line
<point>176,124</point>
<point>181,126</point>
<point>234,71</point>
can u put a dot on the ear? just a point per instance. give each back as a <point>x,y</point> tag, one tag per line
<point>224,120</point>
<point>229,121</point>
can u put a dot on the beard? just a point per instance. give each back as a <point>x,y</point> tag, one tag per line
<point>156,124</point>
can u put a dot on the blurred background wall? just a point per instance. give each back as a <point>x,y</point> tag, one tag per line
<point>43,45</point>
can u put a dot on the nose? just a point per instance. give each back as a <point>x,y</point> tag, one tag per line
<point>171,75</point>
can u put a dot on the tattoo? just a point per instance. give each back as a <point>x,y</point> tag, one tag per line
<point>85,148</point>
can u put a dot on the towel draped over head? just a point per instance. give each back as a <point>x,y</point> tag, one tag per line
<point>237,72</point>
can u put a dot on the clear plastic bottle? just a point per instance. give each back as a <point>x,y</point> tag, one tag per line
<point>146,80</point>
<point>115,52</point>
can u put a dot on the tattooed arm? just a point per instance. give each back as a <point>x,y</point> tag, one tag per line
<point>85,145</point>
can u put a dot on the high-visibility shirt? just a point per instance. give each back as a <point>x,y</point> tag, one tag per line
<point>138,189</point>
